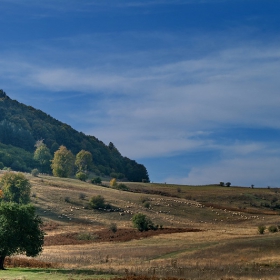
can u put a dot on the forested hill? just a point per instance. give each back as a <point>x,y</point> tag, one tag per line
<point>21,126</point>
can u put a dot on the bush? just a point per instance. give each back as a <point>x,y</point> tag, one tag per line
<point>142,222</point>
<point>82,196</point>
<point>122,187</point>
<point>273,229</point>
<point>81,176</point>
<point>261,229</point>
<point>97,202</point>
<point>228,184</point>
<point>143,199</point>
<point>113,227</point>
<point>96,180</point>
<point>35,172</point>
<point>147,204</point>
<point>67,199</point>
<point>222,184</point>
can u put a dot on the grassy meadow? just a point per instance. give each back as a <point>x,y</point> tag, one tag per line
<point>208,232</point>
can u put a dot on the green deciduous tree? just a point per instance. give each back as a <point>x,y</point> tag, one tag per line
<point>96,180</point>
<point>63,162</point>
<point>142,222</point>
<point>20,231</point>
<point>16,187</point>
<point>83,160</point>
<point>43,156</point>
<point>97,202</point>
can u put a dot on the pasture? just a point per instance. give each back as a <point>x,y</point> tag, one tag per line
<point>208,232</point>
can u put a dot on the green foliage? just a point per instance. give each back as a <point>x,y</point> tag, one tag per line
<point>63,162</point>
<point>272,229</point>
<point>1,165</point>
<point>142,222</point>
<point>81,176</point>
<point>228,184</point>
<point>43,156</point>
<point>261,229</point>
<point>222,184</point>
<point>20,231</point>
<point>35,172</point>
<point>147,204</point>
<point>96,180</point>
<point>83,160</point>
<point>97,202</point>
<point>16,187</point>
<point>117,175</point>
<point>9,155</point>
<point>122,187</point>
<point>20,125</point>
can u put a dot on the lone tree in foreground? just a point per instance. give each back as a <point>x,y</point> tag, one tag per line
<point>20,231</point>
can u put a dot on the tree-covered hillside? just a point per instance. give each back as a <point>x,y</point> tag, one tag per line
<point>21,126</point>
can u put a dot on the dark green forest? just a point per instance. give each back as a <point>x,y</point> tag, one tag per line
<point>21,126</point>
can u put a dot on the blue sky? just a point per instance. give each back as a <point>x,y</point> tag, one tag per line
<point>189,88</point>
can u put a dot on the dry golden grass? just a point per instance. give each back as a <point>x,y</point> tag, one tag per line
<point>228,247</point>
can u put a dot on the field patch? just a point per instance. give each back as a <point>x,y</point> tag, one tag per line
<point>105,235</point>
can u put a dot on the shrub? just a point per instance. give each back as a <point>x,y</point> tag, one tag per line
<point>143,199</point>
<point>82,196</point>
<point>147,204</point>
<point>222,184</point>
<point>261,229</point>
<point>67,199</point>
<point>273,229</point>
<point>142,222</point>
<point>81,176</point>
<point>113,227</point>
<point>228,184</point>
<point>1,165</point>
<point>97,202</point>
<point>35,172</point>
<point>96,180</point>
<point>179,190</point>
<point>122,187</point>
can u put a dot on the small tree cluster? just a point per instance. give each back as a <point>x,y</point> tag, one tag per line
<point>143,223</point>
<point>15,187</point>
<point>96,180</point>
<point>98,202</point>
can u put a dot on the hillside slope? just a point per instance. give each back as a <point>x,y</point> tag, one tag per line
<point>21,126</point>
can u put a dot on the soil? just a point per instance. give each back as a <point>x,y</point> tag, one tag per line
<point>105,235</point>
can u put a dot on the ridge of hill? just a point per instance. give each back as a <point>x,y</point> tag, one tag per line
<point>21,126</point>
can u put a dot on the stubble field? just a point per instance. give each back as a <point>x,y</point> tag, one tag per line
<point>208,232</point>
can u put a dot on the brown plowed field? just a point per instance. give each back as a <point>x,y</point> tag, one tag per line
<point>106,235</point>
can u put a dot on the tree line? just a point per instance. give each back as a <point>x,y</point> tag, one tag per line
<point>21,126</point>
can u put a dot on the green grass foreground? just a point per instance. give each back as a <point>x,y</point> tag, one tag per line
<point>50,274</point>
